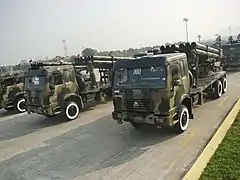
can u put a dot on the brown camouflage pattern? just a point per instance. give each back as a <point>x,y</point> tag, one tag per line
<point>49,102</point>
<point>8,93</point>
<point>160,103</point>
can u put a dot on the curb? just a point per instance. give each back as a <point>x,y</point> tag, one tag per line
<point>198,167</point>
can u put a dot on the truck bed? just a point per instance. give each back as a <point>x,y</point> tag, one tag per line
<point>204,83</point>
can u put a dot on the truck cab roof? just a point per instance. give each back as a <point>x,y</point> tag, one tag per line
<point>150,60</point>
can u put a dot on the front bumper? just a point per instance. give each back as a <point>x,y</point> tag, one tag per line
<point>47,110</point>
<point>138,117</point>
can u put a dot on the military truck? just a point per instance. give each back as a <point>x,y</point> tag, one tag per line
<point>53,88</point>
<point>161,89</point>
<point>11,91</point>
<point>231,52</point>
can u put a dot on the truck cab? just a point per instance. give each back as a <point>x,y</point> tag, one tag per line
<point>231,52</point>
<point>153,89</point>
<point>12,93</point>
<point>51,90</point>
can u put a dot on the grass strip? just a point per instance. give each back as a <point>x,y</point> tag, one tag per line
<point>225,163</point>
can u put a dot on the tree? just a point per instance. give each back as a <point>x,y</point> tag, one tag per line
<point>89,52</point>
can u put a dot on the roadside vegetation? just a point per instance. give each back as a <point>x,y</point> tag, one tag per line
<point>225,163</point>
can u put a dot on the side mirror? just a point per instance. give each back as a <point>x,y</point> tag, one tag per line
<point>176,82</point>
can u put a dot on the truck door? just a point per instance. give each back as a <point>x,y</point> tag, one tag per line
<point>183,77</point>
<point>175,89</point>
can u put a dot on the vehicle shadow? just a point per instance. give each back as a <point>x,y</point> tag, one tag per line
<point>23,125</point>
<point>88,148</point>
<point>5,113</point>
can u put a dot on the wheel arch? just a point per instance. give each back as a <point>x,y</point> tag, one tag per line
<point>73,97</point>
<point>186,100</point>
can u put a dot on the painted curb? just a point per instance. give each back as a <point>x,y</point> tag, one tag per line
<point>198,167</point>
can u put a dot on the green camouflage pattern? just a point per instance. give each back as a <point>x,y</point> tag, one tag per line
<point>50,98</point>
<point>232,55</point>
<point>154,105</point>
<point>11,86</point>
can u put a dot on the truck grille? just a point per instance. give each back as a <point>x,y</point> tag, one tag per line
<point>33,98</point>
<point>136,105</point>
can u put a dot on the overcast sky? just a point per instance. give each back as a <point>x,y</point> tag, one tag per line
<point>36,28</point>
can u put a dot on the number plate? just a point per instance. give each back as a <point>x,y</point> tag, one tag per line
<point>138,118</point>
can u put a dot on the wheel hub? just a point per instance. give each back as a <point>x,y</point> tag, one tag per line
<point>72,111</point>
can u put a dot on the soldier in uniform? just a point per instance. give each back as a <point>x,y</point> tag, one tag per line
<point>90,69</point>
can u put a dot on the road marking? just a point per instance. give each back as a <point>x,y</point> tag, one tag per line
<point>187,140</point>
<point>223,101</point>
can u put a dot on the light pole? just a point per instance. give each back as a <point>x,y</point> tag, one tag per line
<point>186,21</point>
<point>199,38</point>
<point>65,47</point>
<point>229,31</point>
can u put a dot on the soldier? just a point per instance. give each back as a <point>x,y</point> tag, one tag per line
<point>90,69</point>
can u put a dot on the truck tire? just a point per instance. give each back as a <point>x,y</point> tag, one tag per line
<point>183,120</point>
<point>20,105</point>
<point>72,110</point>
<point>218,89</point>
<point>224,85</point>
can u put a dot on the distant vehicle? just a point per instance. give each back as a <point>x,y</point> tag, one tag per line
<point>53,88</point>
<point>161,89</point>
<point>231,51</point>
<point>11,91</point>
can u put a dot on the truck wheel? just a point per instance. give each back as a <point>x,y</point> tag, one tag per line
<point>183,120</point>
<point>20,105</point>
<point>72,110</point>
<point>218,89</point>
<point>224,85</point>
<point>136,125</point>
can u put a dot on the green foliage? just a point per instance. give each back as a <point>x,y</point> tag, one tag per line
<point>225,163</point>
<point>89,52</point>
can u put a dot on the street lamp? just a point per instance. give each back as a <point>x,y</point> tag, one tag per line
<point>199,38</point>
<point>186,21</point>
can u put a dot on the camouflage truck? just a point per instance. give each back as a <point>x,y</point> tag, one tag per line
<point>231,51</point>
<point>11,91</point>
<point>161,89</point>
<point>68,87</point>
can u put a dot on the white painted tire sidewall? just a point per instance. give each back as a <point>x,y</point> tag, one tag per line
<point>180,120</point>
<point>220,88</point>
<point>18,105</point>
<point>226,85</point>
<point>77,111</point>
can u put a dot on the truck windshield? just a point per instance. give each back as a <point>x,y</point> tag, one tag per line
<point>35,83</point>
<point>150,76</point>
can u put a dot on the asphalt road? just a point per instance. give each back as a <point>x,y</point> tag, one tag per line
<point>95,147</point>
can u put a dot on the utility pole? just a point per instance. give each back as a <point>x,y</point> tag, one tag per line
<point>199,38</point>
<point>186,24</point>
<point>65,47</point>
<point>229,31</point>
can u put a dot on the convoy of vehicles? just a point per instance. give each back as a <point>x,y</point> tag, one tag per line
<point>11,91</point>
<point>66,87</point>
<point>161,89</point>
<point>231,51</point>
